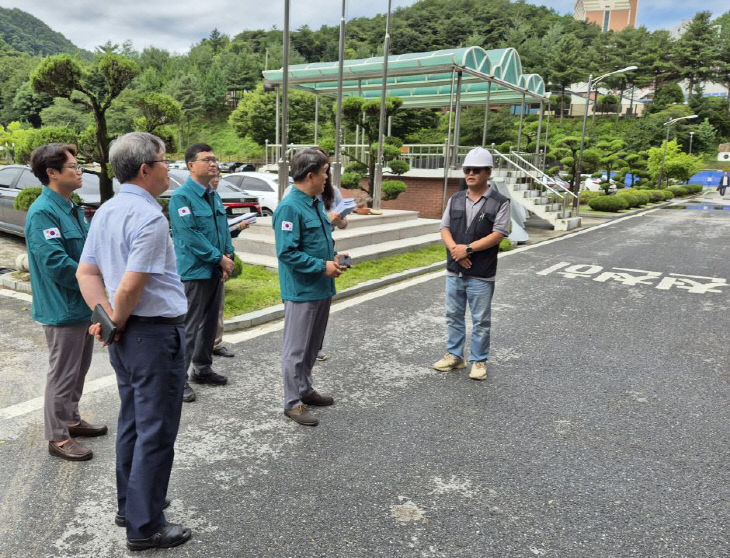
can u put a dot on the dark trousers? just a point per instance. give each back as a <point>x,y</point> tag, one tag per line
<point>149,361</point>
<point>201,322</point>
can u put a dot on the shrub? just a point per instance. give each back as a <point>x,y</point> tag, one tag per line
<point>642,196</point>
<point>399,166</point>
<point>609,203</point>
<point>694,188</point>
<point>655,195</point>
<point>356,167</point>
<point>391,189</point>
<point>237,266</point>
<point>28,195</point>
<point>587,195</point>
<point>351,180</point>
<point>631,199</point>
<point>668,194</point>
<point>505,245</point>
<point>678,190</point>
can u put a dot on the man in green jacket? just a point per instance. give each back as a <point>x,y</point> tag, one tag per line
<point>55,232</point>
<point>307,270</point>
<point>204,260</point>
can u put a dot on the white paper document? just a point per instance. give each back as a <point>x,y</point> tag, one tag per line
<point>250,218</point>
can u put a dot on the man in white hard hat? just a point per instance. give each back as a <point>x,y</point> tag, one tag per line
<point>474,223</point>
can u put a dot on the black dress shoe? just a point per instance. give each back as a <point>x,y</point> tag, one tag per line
<point>210,378</point>
<point>223,351</point>
<point>188,393</point>
<point>170,535</point>
<point>120,520</point>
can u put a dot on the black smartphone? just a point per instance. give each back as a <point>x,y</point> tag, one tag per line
<point>108,328</point>
<point>345,260</point>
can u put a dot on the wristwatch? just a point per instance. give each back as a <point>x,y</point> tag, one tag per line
<point>469,250</point>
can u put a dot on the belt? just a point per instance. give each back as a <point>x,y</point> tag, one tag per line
<point>163,320</point>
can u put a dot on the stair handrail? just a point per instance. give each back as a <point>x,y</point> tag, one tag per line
<point>521,169</point>
<point>547,178</point>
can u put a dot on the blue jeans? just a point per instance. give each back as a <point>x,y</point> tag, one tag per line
<point>459,291</point>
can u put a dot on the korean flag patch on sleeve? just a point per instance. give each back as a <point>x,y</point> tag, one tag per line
<point>183,211</point>
<point>287,226</point>
<point>52,233</point>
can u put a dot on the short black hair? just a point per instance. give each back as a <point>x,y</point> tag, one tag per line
<point>192,151</point>
<point>50,156</point>
<point>305,161</point>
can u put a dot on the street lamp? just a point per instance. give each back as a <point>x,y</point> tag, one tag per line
<point>690,142</point>
<point>668,124</point>
<point>591,83</point>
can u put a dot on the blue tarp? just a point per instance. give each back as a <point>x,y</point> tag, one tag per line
<point>706,177</point>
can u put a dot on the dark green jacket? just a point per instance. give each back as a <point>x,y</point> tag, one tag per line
<point>199,231</point>
<point>303,246</point>
<point>55,232</point>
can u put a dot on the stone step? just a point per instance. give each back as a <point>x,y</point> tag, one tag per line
<point>361,254</point>
<point>263,224</point>
<point>261,241</point>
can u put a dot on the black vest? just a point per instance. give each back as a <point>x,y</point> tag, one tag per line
<point>484,263</point>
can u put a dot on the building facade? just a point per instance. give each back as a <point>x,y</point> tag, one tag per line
<point>613,15</point>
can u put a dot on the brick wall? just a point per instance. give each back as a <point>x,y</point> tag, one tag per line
<point>423,195</point>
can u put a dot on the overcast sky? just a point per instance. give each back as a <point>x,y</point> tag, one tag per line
<point>176,24</point>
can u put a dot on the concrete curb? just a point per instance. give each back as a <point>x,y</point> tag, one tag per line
<point>251,319</point>
<point>9,282</point>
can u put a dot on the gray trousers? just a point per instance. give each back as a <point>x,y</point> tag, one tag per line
<point>219,331</point>
<point>201,322</point>
<point>70,349</point>
<point>305,324</point>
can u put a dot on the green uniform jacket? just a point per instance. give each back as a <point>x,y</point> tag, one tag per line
<point>199,231</point>
<point>303,245</point>
<point>55,232</point>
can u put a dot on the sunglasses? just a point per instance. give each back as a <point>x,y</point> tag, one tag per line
<point>473,170</point>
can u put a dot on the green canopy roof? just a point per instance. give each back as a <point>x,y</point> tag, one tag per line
<point>423,79</point>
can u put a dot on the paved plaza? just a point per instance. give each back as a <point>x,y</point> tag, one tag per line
<point>602,430</point>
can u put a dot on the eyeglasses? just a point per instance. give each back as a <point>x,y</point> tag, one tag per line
<point>75,167</point>
<point>164,162</point>
<point>207,160</point>
<point>473,170</point>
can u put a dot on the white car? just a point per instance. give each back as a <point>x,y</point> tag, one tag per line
<point>594,184</point>
<point>263,185</point>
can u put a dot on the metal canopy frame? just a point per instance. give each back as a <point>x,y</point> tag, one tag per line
<point>423,79</point>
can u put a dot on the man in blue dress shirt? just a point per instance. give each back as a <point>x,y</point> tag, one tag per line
<point>129,253</point>
<point>204,260</point>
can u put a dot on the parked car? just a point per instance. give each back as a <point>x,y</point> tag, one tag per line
<point>262,184</point>
<point>594,184</point>
<point>15,178</point>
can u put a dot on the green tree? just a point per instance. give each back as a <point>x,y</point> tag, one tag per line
<point>157,110</point>
<point>697,51</point>
<point>678,164</point>
<point>95,86</point>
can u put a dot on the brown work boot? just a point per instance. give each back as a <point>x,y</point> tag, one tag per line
<point>301,415</point>
<point>317,399</point>
<point>71,450</point>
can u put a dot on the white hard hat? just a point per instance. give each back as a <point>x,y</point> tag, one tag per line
<point>478,157</point>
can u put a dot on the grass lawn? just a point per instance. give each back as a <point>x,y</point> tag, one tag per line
<point>258,287</point>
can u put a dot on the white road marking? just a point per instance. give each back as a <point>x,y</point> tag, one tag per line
<point>36,403</point>
<point>109,380</point>
<point>15,294</point>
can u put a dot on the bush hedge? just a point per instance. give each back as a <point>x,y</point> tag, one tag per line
<point>655,195</point>
<point>608,203</point>
<point>631,199</point>
<point>679,190</point>
<point>668,194</point>
<point>392,189</point>
<point>587,195</point>
<point>350,180</point>
<point>28,195</point>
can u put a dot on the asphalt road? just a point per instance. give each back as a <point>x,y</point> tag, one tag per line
<point>602,430</point>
